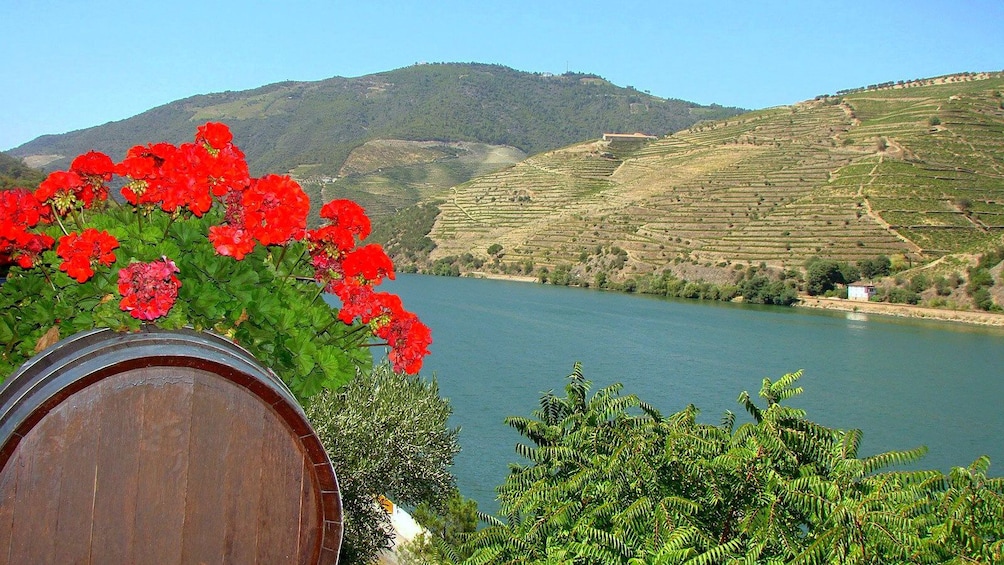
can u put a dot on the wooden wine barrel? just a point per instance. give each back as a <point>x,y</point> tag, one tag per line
<point>160,447</point>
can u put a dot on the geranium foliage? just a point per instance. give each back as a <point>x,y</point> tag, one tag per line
<point>196,241</point>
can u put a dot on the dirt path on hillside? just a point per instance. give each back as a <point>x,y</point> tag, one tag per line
<point>876,217</point>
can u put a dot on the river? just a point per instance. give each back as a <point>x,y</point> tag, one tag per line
<point>499,344</point>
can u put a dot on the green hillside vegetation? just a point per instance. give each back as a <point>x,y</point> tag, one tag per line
<point>14,173</point>
<point>386,175</point>
<point>912,172</point>
<point>315,129</point>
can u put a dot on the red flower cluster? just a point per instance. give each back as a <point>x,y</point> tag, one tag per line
<point>272,210</point>
<point>81,251</point>
<point>189,179</point>
<point>184,176</point>
<point>19,212</point>
<point>148,289</point>
<point>350,272</point>
<point>80,186</point>
<point>407,336</point>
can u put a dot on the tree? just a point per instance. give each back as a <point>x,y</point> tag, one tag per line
<point>969,514</point>
<point>386,435</point>
<point>761,290</point>
<point>448,528</point>
<point>587,459</point>
<point>878,267</point>
<point>607,479</point>
<point>849,273</point>
<point>822,275</point>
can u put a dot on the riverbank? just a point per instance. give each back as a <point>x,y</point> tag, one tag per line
<point>904,310</point>
<point>841,304</point>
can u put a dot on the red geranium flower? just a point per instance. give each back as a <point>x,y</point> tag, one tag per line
<point>184,182</point>
<point>64,190</point>
<point>275,209</point>
<point>409,340</point>
<point>358,300</point>
<point>347,215</point>
<point>80,252</point>
<point>27,249</point>
<point>214,134</point>
<point>144,165</point>
<point>149,290</point>
<point>94,164</point>
<point>223,164</point>
<point>369,262</point>
<point>19,212</point>
<point>95,169</point>
<point>330,240</point>
<point>231,241</point>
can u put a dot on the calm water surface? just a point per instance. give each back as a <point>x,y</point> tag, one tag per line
<point>498,345</point>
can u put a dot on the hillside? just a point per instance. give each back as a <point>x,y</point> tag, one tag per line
<point>312,128</point>
<point>14,173</point>
<point>914,171</point>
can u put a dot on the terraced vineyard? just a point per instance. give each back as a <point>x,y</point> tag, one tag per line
<point>915,171</point>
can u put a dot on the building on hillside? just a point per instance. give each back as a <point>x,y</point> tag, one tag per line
<point>860,291</point>
<point>637,136</point>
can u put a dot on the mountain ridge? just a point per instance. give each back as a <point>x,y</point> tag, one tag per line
<point>912,172</point>
<point>321,121</point>
<point>311,128</point>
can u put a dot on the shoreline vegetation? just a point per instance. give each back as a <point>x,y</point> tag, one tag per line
<point>973,317</point>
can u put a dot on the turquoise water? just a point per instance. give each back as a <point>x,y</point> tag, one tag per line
<point>498,345</point>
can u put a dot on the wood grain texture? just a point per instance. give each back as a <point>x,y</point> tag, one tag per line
<point>168,461</point>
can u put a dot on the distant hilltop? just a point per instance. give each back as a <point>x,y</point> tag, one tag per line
<point>313,129</point>
<point>945,79</point>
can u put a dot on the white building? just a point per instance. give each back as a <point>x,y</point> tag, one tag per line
<point>860,291</point>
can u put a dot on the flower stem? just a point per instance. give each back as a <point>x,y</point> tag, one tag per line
<point>77,219</point>
<point>45,273</point>
<point>59,221</point>
<point>330,324</point>
<point>282,255</point>
<point>354,332</point>
<point>169,223</point>
<point>320,290</point>
<point>292,268</point>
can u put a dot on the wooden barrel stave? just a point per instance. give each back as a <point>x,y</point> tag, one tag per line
<point>185,385</point>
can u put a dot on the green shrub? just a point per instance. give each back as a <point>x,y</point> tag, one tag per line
<point>919,283</point>
<point>902,296</point>
<point>982,299</point>
<point>386,434</point>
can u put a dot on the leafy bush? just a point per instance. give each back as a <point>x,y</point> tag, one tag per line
<point>898,295</point>
<point>607,479</point>
<point>822,275</point>
<point>386,435</point>
<point>761,290</point>
<point>919,283</point>
<point>982,299</point>
<point>979,277</point>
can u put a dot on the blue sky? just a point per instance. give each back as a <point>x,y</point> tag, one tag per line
<point>73,64</point>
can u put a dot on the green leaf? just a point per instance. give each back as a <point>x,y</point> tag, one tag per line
<point>6,332</point>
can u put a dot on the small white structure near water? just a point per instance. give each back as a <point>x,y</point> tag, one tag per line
<point>860,291</point>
